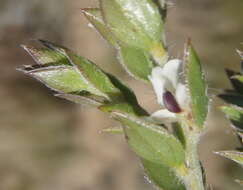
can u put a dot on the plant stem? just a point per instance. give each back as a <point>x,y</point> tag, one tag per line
<point>194,178</point>
<point>192,174</point>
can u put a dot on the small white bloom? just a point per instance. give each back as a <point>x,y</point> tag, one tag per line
<point>164,116</point>
<point>169,89</point>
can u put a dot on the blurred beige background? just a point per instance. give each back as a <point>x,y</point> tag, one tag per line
<point>47,143</point>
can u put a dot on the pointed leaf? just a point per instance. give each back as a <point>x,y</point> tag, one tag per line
<point>44,56</point>
<point>78,75</point>
<point>94,76</point>
<point>83,98</point>
<point>233,155</point>
<point>197,87</point>
<point>129,95</point>
<point>236,83</point>
<point>179,133</point>
<point>136,23</point>
<point>149,141</point>
<point>235,115</point>
<point>136,62</point>
<point>95,18</point>
<point>162,176</point>
<point>53,46</point>
<point>62,79</point>
<point>90,71</point>
<point>235,99</point>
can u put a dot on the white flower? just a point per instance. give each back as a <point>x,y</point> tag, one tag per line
<point>169,89</point>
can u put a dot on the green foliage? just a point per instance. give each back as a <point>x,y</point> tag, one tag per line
<point>197,87</point>
<point>235,115</point>
<point>234,112</point>
<point>135,23</point>
<point>146,139</point>
<point>162,176</point>
<point>135,61</point>
<point>135,28</point>
<point>233,155</point>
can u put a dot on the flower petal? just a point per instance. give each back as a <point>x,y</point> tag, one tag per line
<point>172,70</point>
<point>164,116</point>
<point>181,96</point>
<point>158,81</point>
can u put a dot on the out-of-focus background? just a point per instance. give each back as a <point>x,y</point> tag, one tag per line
<point>47,143</point>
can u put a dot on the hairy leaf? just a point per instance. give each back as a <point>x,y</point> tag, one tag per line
<point>235,115</point>
<point>235,99</point>
<point>83,98</point>
<point>197,86</point>
<point>136,23</point>
<point>62,79</point>
<point>233,155</point>
<point>149,141</point>
<point>94,16</point>
<point>162,176</point>
<point>94,76</point>
<point>136,61</point>
<point>45,56</point>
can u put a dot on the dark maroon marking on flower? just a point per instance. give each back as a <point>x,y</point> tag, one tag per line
<point>170,102</point>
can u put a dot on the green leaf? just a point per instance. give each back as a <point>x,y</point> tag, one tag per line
<point>94,16</point>
<point>66,72</point>
<point>45,56</point>
<point>63,79</point>
<point>77,79</point>
<point>149,141</point>
<point>129,95</point>
<point>197,87</point>
<point>122,107</point>
<point>94,76</point>
<point>235,115</point>
<point>106,82</point>
<point>136,23</point>
<point>238,82</point>
<point>135,61</point>
<point>52,46</point>
<point>179,133</point>
<point>84,98</point>
<point>235,81</point>
<point>235,99</point>
<point>162,176</point>
<point>233,155</point>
